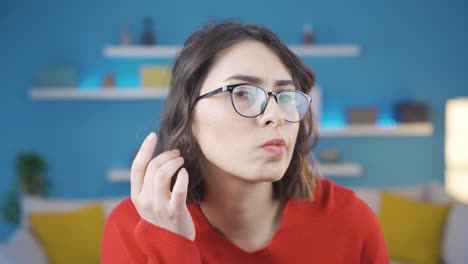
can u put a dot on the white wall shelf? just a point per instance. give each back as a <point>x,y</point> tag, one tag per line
<point>348,50</point>
<point>44,93</point>
<point>341,170</point>
<point>141,51</point>
<point>345,50</point>
<point>415,129</point>
<point>328,170</point>
<point>118,175</point>
<point>398,130</point>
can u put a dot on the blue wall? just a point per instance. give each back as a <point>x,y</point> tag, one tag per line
<point>412,50</point>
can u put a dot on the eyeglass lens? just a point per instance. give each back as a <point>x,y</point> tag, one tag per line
<point>250,101</point>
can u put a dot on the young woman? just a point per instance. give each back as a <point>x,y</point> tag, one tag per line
<point>230,180</point>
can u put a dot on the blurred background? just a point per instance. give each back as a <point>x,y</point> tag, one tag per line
<point>371,55</point>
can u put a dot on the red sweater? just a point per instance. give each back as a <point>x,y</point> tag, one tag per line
<point>337,227</point>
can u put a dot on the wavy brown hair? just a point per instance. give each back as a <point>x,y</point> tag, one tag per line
<point>190,68</point>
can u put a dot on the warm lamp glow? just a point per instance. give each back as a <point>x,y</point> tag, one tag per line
<point>456,183</point>
<point>456,148</point>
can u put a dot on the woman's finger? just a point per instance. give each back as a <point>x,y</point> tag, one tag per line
<point>140,162</point>
<point>159,160</point>
<point>152,168</point>
<point>162,178</point>
<point>179,192</point>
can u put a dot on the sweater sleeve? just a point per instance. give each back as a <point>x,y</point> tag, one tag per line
<point>146,243</point>
<point>374,249</point>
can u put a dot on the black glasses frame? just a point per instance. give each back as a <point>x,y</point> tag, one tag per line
<point>230,89</point>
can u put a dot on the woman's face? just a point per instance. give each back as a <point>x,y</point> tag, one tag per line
<point>231,142</point>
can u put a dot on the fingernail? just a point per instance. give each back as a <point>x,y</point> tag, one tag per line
<point>150,137</point>
<point>176,151</point>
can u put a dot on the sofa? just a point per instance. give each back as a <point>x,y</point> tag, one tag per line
<point>454,237</point>
<point>23,247</point>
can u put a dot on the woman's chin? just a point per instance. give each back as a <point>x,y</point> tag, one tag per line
<point>272,177</point>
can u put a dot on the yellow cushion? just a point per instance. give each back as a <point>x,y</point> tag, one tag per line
<point>412,229</point>
<point>71,237</point>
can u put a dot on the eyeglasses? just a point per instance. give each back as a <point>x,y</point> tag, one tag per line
<point>251,101</point>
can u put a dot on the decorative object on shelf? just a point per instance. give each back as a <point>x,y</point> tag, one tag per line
<point>126,38</point>
<point>361,115</point>
<point>66,76</point>
<point>148,37</point>
<point>329,156</point>
<point>307,35</point>
<point>155,76</point>
<point>108,81</point>
<point>409,112</point>
<point>456,148</point>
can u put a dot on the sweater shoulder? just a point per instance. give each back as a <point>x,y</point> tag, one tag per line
<point>124,214</point>
<point>343,203</point>
<point>329,201</point>
<point>329,194</point>
<point>330,198</point>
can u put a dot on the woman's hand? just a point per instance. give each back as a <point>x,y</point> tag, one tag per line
<point>150,189</point>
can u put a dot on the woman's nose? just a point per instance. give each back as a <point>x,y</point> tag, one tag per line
<point>272,114</point>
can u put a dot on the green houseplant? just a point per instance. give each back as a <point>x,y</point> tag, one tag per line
<point>11,207</point>
<point>31,168</point>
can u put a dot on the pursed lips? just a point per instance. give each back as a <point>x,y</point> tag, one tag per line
<point>275,142</point>
<point>276,146</point>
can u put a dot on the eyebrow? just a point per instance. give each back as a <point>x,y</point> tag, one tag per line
<point>256,80</point>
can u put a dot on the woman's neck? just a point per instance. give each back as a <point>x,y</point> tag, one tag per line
<point>245,212</point>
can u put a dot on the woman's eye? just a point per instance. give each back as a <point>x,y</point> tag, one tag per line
<point>286,98</point>
<point>241,94</point>
<point>244,94</point>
